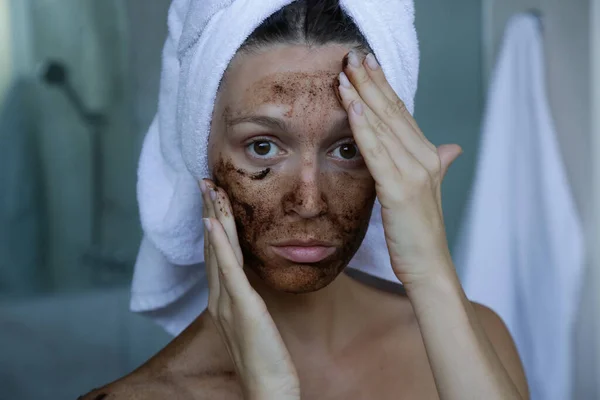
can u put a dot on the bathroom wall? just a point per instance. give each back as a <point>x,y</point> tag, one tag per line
<point>5,48</point>
<point>148,27</point>
<point>449,100</point>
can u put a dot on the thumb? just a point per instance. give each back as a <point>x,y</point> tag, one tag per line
<point>448,153</point>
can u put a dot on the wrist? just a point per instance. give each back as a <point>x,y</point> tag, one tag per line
<point>274,391</point>
<point>440,277</point>
<point>274,395</point>
<point>439,297</point>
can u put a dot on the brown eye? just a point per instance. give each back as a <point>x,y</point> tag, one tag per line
<point>263,149</point>
<point>347,151</point>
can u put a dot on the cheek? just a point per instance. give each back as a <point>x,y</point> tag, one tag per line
<point>351,199</point>
<point>253,211</point>
<point>214,150</point>
<point>351,206</point>
<point>218,133</point>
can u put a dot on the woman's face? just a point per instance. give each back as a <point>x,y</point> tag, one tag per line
<point>282,149</point>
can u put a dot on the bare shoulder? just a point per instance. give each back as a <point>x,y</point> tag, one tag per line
<point>194,366</point>
<point>174,388</point>
<point>503,344</point>
<point>134,390</point>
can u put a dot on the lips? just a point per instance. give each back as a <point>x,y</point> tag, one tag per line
<point>304,251</point>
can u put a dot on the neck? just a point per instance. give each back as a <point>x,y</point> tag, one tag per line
<point>327,319</point>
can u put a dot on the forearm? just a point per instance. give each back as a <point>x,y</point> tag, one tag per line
<point>463,361</point>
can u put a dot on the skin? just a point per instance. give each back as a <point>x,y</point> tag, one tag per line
<point>346,340</point>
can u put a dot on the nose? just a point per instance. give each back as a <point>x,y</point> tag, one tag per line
<point>306,199</point>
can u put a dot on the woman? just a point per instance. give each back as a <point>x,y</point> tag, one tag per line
<point>297,165</point>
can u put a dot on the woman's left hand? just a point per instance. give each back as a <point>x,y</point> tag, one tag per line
<point>407,168</point>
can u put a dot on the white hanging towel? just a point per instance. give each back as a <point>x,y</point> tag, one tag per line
<point>521,248</point>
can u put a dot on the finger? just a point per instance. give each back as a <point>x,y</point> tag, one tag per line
<point>209,259</point>
<point>224,301</point>
<point>210,197</point>
<point>377,75</point>
<point>219,208</point>
<point>385,156</point>
<point>216,292</point>
<point>387,105</point>
<point>224,213</point>
<point>371,84</point>
<point>375,72</point>
<point>232,275</point>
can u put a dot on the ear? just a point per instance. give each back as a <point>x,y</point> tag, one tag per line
<point>448,153</point>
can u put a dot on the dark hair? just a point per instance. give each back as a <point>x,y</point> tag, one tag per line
<point>311,22</point>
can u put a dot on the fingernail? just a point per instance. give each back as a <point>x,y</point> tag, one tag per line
<point>213,194</point>
<point>353,59</point>
<point>358,107</point>
<point>203,186</point>
<point>344,81</point>
<point>372,62</point>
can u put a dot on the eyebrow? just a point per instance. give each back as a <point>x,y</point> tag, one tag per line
<point>282,125</point>
<point>269,122</point>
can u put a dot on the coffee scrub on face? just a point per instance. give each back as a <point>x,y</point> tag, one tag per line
<point>264,216</point>
<point>302,192</point>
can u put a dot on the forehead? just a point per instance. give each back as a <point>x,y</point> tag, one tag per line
<point>284,74</point>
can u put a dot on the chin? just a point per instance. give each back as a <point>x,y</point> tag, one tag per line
<point>298,278</point>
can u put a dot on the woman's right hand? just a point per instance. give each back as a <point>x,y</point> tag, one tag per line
<point>263,363</point>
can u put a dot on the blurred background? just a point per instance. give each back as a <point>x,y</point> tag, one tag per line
<point>78,89</point>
